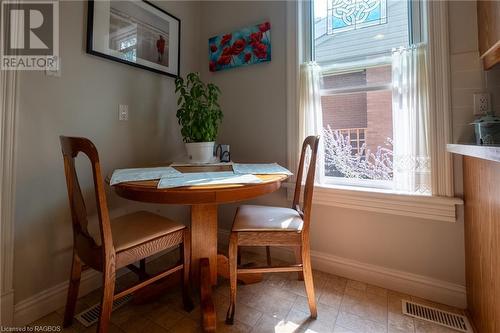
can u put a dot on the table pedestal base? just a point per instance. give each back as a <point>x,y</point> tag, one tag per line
<point>206,265</point>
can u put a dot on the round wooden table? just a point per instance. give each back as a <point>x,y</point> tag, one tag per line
<point>203,201</point>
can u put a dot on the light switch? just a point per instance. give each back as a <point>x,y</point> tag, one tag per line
<point>55,70</point>
<point>123,112</point>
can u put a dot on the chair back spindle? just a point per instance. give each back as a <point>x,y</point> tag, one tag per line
<point>311,142</point>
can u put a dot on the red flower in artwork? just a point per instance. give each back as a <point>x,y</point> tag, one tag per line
<point>248,56</point>
<point>213,48</point>
<point>265,26</point>
<point>255,38</point>
<point>238,46</point>
<point>224,60</point>
<point>227,51</point>
<point>260,50</point>
<point>211,66</point>
<point>225,39</point>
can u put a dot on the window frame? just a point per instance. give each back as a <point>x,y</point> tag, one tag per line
<point>442,205</point>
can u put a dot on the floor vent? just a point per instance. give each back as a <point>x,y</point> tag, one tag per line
<point>440,317</point>
<point>90,316</point>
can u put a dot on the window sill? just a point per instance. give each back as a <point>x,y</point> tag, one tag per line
<point>382,201</point>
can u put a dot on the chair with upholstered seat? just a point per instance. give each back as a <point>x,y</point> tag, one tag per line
<point>120,243</point>
<point>277,226</point>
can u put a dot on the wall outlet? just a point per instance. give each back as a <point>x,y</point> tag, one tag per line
<point>481,104</point>
<point>123,112</point>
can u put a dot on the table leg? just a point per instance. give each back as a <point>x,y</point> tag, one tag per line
<point>204,240</point>
<point>208,316</point>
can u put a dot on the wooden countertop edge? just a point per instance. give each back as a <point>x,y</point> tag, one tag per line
<point>491,153</point>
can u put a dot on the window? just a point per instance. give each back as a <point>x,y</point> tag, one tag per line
<point>352,42</point>
<point>345,15</point>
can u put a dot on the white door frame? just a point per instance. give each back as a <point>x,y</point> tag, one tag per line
<point>9,83</point>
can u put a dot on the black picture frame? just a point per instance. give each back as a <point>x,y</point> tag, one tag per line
<point>90,37</point>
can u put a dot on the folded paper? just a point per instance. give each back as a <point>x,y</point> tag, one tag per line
<point>260,169</point>
<point>138,174</point>
<point>207,178</point>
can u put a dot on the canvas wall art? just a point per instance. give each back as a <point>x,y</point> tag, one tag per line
<point>136,33</point>
<point>244,47</point>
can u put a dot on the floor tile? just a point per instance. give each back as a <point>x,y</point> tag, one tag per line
<point>166,317</point>
<point>269,324</point>
<point>427,327</point>
<point>185,325</point>
<point>394,301</point>
<point>52,320</point>
<point>398,322</point>
<point>305,323</point>
<point>340,329</point>
<point>356,285</point>
<point>111,329</point>
<point>142,325</point>
<point>350,321</point>
<point>275,307</point>
<point>237,327</point>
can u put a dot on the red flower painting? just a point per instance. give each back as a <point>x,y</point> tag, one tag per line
<point>211,66</point>
<point>238,46</point>
<point>264,26</point>
<point>260,50</point>
<point>225,39</point>
<point>255,38</point>
<point>244,47</point>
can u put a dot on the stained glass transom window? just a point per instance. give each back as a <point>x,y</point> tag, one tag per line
<point>345,15</point>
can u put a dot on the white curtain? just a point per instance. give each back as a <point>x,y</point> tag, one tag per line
<point>410,107</point>
<point>311,116</point>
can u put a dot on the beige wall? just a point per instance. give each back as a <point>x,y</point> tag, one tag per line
<point>84,102</point>
<point>254,102</point>
<point>253,97</point>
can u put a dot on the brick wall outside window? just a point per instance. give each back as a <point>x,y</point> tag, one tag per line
<point>371,110</point>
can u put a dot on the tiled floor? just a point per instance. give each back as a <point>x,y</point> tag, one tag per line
<point>278,304</point>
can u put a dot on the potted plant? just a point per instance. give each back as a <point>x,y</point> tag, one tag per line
<point>199,115</point>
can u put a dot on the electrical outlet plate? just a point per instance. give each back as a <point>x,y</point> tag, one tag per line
<point>481,104</point>
<point>123,112</point>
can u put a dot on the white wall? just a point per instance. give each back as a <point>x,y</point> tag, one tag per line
<point>254,104</point>
<point>84,102</point>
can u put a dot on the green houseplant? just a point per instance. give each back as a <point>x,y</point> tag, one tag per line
<point>199,116</point>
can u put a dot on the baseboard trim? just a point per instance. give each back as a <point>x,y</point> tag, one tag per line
<point>418,285</point>
<point>53,298</point>
<point>409,283</point>
<point>6,308</point>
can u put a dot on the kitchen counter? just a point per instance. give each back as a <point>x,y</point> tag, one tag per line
<point>481,172</point>
<point>491,153</point>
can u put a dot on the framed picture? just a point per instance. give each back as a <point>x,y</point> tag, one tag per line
<point>250,45</point>
<point>136,33</point>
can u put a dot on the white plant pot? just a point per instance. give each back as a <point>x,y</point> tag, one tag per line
<point>200,152</point>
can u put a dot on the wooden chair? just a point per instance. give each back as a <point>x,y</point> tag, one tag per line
<point>277,226</point>
<point>123,241</point>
